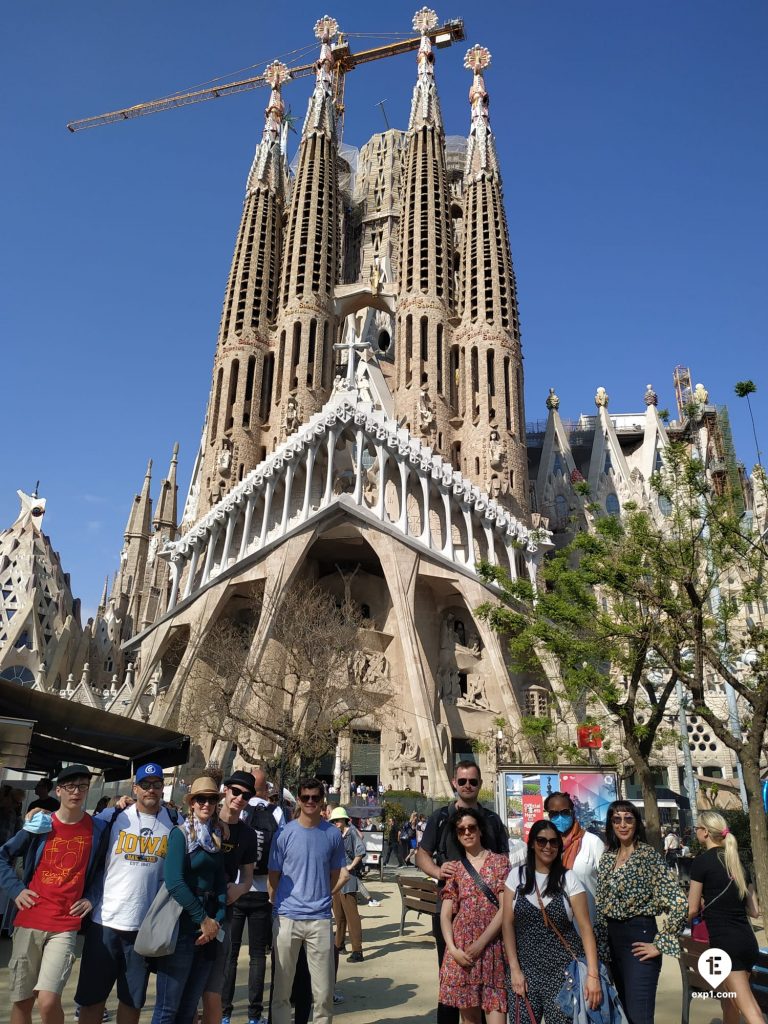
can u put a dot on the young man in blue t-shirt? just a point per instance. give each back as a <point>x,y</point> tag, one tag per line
<point>305,864</point>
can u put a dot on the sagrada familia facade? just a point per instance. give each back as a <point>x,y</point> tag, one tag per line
<point>365,430</point>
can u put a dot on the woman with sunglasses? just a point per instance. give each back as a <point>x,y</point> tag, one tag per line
<point>195,878</point>
<point>634,884</point>
<point>472,976</point>
<point>540,937</point>
<point>718,878</point>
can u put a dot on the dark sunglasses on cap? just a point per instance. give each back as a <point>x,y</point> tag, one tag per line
<point>543,842</point>
<point>467,782</point>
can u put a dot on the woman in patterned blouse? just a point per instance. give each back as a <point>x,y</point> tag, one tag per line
<point>633,886</point>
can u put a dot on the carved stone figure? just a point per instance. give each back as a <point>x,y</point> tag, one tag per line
<point>426,413</point>
<point>601,398</point>
<point>700,394</point>
<point>495,450</point>
<point>292,418</point>
<point>473,643</point>
<point>553,402</point>
<point>224,458</point>
<point>447,634</point>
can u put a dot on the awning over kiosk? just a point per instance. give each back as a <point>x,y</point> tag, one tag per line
<point>65,731</point>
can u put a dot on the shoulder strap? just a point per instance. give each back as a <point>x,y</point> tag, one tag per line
<point>549,923</point>
<point>480,882</point>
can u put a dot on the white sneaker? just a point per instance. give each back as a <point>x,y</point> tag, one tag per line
<point>374,903</point>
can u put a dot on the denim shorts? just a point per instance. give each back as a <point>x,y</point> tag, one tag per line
<point>109,957</point>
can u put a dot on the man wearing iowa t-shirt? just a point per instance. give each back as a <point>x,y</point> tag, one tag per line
<point>133,873</point>
<point>58,888</point>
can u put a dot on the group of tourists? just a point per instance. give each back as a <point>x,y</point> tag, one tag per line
<point>565,923</point>
<point>535,931</point>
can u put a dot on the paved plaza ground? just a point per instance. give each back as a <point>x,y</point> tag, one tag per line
<point>397,982</point>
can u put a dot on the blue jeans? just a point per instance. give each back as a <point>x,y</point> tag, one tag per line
<point>181,980</point>
<point>636,980</point>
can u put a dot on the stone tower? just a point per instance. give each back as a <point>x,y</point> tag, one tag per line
<point>306,325</point>
<point>240,406</point>
<point>164,527</point>
<point>129,582</point>
<point>426,294</point>
<point>487,391</point>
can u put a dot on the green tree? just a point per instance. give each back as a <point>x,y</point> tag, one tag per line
<point>635,604</point>
<point>743,389</point>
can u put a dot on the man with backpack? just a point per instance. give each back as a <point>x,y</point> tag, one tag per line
<point>136,842</point>
<point>253,907</point>
<point>58,888</point>
<point>438,855</point>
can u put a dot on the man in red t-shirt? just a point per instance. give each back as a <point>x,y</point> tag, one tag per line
<point>52,906</point>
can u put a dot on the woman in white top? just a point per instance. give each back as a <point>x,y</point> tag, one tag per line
<point>540,939</point>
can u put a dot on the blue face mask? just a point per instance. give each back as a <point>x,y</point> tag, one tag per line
<point>562,821</point>
<point>39,824</point>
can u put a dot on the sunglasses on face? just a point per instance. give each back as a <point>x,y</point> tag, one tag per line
<point>242,794</point>
<point>310,798</point>
<point>623,819</point>
<point>468,782</point>
<point>466,829</point>
<point>147,786</point>
<point>205,799</point>
<point>543,842</point>
<point>76,787</point>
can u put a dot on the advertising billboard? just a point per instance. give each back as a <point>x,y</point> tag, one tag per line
<point>522,791</point>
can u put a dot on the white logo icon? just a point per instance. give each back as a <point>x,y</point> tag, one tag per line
<point>714,966</point>
<point>150,770</point>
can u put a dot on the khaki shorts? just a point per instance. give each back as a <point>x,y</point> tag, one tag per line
<point>40,962</point>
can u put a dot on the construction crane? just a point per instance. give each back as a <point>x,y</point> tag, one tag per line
<point>345,61</point>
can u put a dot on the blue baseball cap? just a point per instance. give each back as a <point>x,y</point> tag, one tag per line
<point>149,771</point>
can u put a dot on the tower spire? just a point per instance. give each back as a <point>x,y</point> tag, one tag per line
<point>129,582</point>
<point>241,394</point>
<point>426,289</point>
<point>306,326</point>
<point>165,516</point>
<point>489,332</point>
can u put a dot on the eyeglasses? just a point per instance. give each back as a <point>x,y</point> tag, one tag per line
<point>542,842</point>
<point>309,798</point>
<point>468,782</point>
<point>147,786</point>
<point>623,819</point>
<point>242,794</point>
<point>466,829</point>
<point>75,787</point>
<point>203,799</point>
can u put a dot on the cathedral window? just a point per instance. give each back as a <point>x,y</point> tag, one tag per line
<point>477,466</point>
<point>558,469</point>
<point>456,455</point>
<point>507,406</point>
<point>536,702</point>
<point>18,674</point>
<point>325,373</point>
<point>612,506</point>
<point>439,359</point>
<point>608,464</point>
<point>520,402</point>
<point>491,372</point>
<point>311,352</point>
<point>232,395</point>
<point>250,373</point>
<point>408,348</point>
<point>454,377</point>
<point>295,356</point>
<point>216,403</point>
<point>475,377</point>
<point>423,338</point>
<point>265,404</point>
<point>280,360</point>
<point>384,341</point>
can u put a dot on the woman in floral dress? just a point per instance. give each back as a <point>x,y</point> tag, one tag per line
<point>473,971</point>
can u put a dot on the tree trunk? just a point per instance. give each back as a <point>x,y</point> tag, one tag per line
<point>650,808</point>
<point>758,829</point>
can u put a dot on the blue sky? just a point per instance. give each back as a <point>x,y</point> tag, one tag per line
<point>632,139</point>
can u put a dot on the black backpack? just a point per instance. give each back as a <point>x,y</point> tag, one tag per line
<point>262,821</point>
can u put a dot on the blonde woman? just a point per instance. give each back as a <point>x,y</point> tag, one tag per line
<point>718,881</point>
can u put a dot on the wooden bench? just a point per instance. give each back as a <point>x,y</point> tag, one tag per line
<point>417,893</point>
<point>691,950</point>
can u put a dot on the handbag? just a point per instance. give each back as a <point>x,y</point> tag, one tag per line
<point>521,1001</point>
<point>159,930</point>
<point>699,929</point>
<point>570,999</point>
